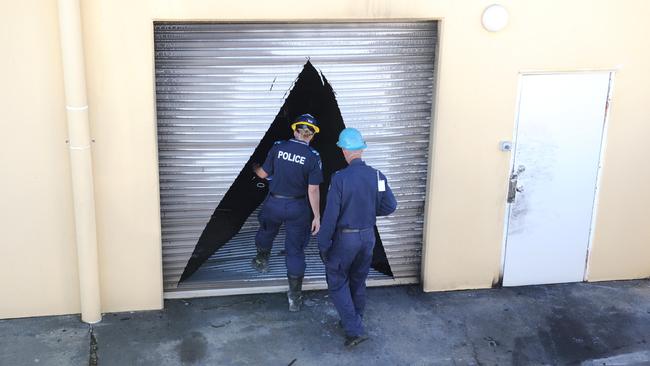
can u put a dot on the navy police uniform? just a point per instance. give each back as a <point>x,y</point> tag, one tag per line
<point>291,165</point>
<point>357,194</point>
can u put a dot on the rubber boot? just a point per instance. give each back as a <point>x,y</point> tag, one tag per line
<point>295,293</point>
<point>261,261</point>
<point>351,341</point>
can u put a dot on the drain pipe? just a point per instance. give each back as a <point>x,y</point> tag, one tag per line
<point>80,158</point>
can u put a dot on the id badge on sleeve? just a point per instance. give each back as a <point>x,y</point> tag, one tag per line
<point>381,184</point>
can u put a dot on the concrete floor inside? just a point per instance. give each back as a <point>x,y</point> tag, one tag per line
<point>605,323</point>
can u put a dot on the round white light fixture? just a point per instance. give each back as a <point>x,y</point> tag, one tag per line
<point>495,18</point>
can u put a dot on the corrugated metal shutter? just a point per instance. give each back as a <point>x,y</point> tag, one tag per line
<point>218,88</point>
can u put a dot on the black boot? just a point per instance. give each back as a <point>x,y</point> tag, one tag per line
<point>295,293</point>
<point>351,341</point>
<point>261,261</point>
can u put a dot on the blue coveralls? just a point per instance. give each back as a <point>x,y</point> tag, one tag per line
<point>347,237</point>
<point>291,165</point>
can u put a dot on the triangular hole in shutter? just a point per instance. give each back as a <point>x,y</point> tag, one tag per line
<point>312,94</point>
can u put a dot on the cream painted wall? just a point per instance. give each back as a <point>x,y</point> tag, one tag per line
<point>38,263</point>
<point>477,91</point>
<point>121,96</point>
<point>476,105</point>
<point>476,109</point>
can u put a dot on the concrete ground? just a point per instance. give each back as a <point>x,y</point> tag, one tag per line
<point>605,323</point>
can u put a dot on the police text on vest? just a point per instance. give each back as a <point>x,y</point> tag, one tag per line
<point>295,158</point>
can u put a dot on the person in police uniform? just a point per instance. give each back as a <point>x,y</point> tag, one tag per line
<point>357,194</point>
<point>295,171</point>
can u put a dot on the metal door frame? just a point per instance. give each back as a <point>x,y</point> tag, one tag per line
<point>318,285</point>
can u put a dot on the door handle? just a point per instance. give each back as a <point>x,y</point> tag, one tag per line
<point>513,188</point>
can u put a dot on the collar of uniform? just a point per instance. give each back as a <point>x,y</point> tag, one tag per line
<point>356,161</point>
<point>298,141</point>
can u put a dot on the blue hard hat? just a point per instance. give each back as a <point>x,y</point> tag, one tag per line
<point>307,120</point>
<point>351,139</point>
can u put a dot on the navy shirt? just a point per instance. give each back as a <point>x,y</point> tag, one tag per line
<point>357,195</point>
<point>291,166</point>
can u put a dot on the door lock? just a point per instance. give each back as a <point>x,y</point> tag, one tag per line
<point>513,188</point>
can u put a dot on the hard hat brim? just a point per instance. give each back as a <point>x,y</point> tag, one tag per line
<point>352,148</point>
<point>316,129</point>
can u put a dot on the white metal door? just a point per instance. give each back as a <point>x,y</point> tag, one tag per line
<point>557,155</point>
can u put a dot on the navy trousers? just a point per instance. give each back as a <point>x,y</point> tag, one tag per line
<point>347,269</point>
<point>296,216</point>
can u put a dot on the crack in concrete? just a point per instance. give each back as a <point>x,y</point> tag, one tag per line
<point>471,343</point>
<point>92,357</point>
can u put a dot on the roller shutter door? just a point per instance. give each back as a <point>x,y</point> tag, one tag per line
<point>219,86</point>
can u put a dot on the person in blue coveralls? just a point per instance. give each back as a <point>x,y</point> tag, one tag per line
<point>357,194</point>
<point>295,172</point>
